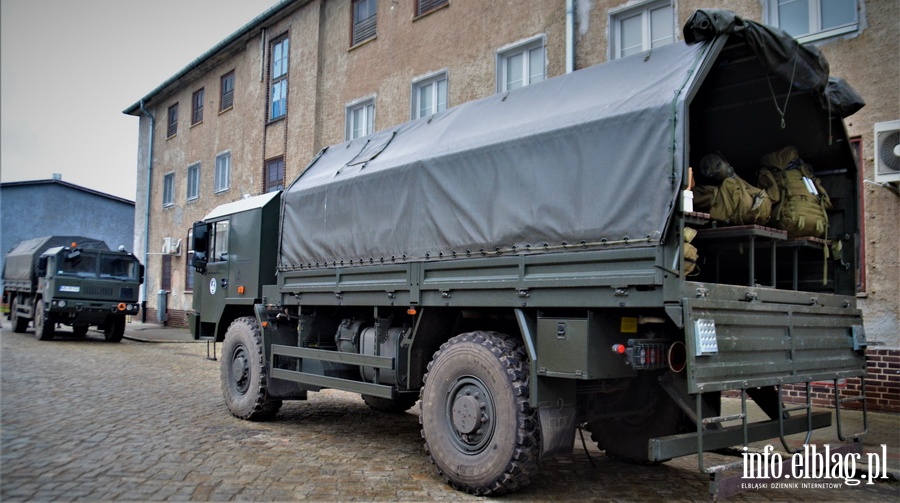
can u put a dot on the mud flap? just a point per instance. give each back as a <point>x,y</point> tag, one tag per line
<point>557,430</point>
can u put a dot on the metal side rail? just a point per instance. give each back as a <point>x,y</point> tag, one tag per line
<point>323,381</point>
<point>857,437</point>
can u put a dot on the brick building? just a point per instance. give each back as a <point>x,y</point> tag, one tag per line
<point>248,115</point>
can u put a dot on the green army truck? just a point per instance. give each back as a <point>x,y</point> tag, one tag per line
<point>71,280</point>
<point>516,265</point>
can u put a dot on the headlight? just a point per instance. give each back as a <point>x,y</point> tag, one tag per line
<point>61,303</point>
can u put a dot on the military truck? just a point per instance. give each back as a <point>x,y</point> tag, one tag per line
<point>516,266</point>
<point>71,280</point>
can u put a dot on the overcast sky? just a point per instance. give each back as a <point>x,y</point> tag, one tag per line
<point>69,68</point>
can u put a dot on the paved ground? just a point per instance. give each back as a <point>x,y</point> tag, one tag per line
<point>87,420</point>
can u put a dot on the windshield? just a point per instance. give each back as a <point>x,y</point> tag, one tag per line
<point>83,264</point>
<point>118,267</point>
<point>92,265</point>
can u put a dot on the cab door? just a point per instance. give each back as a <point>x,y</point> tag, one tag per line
<point>211,285</point>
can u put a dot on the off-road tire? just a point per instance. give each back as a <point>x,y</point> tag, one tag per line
<point>20,325</point>
<point>244,373</point>
<point>114,328</point>
<point>480,374</point>
<point>392,406</point>
<point>626,438</point>
<point>44,329</point>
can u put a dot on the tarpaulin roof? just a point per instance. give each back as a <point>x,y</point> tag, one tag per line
<point>587,156</point>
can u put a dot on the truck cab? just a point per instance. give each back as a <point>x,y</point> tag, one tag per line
<point>234,247</point>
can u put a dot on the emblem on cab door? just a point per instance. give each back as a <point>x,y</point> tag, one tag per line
<point>212,286</point>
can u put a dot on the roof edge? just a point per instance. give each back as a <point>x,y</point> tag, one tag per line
<point>272,14</point>
<point>64,183</point>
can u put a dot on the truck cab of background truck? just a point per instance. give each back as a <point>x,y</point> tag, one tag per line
<point>235,249</point>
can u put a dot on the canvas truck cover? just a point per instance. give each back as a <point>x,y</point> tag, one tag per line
<point>593,156</point>
<point>21,262</point>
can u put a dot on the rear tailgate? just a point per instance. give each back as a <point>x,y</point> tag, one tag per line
<point>741,337</point>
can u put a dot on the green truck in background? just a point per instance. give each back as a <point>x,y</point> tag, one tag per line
<point>71,280</point>
<point>516,265</point>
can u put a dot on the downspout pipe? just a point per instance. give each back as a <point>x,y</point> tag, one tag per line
<point>147,211</point>
<point>570,36</point>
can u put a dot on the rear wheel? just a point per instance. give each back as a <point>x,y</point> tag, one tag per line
<point>114,329</point>
<point>19,324</point>
<point>44,329</point>
<point>394,406</point>
<point>244,373</point>
<point>478,426</point>
<point>626,438</point>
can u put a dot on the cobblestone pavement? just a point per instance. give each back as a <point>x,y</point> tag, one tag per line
<point>87,420</point>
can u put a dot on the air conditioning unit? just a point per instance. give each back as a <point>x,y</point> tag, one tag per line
<point>171,246</point>
<point>887,152</point>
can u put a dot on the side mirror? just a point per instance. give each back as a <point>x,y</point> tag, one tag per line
<point>140,274</point>
<point>200,244</point>
<point>42,267</point>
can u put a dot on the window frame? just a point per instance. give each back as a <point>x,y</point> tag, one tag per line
<point>189,259</point>
<point>218,185</point>
<point>193,178</point>
<point>197,106</point>
<point>168,190</point>
<point>364,104</point>
<point>226,97</point>
<point>856,144</point>
<point>523,48</point>
<point>172,121</point>
<point>415,93</point>
<point>425,7</point>
<point>645,10</point>
<point>278,83</point>
<point>814,11</point>
<point>277,163</point>
<point>359,30</point>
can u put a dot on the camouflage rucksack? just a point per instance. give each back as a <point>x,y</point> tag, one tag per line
<point>801,202</point>
<point>733,201</point>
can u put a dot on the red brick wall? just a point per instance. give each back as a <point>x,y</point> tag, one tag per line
<point>176,318</point>
<point>882,385</point>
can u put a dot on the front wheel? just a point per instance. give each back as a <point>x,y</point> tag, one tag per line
<point>244,373</point>
<point>478,426</point>
<point>114,329</point>
<point>44,329</point>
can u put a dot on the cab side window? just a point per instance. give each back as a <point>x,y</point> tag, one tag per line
<point>219,242</point>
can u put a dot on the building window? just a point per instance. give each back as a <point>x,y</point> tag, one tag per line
<point>426,6</point>
<point>193,181</point>
<point>429,95</point>
<point>808,20</point>
<point>274,175</point>
<point>165,280</point>
<point>520,65</point>
<point>857,147</point>
<point>642,28</point>
<point>223,172</point>
<point>173,121</point>
<point>226,101</point>
<point>188,268</point>
<point>279,81</point>
<point>168,190</point>
<point>197,107</point>
<point>360,118</point>
<point>364,19</point>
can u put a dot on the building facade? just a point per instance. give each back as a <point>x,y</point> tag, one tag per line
<point>26,212</point>
<point>247,116</point>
